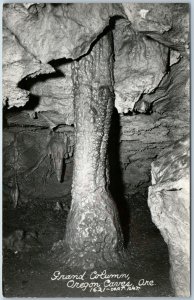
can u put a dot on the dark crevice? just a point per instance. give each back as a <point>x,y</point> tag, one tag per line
<point>27,83</point>
<point>106,30</point>
<point>61,61</point>
<point>116,177</point>
<point>29,106</point>
<point>55,63</point>
<point>129,113</point>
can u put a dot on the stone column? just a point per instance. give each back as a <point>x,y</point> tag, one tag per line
<point>93,233</point>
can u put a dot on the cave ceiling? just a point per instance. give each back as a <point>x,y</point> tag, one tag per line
<point>40,42</point>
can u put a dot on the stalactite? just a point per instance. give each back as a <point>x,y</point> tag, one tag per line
<point>56,149</point>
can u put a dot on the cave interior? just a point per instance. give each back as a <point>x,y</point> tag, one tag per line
<point>147,48</point>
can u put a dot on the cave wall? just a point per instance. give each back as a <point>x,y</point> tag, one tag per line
<point>143,137</point>
<point>29,164</point>
<point>138,138</point>
<point>36,47</point>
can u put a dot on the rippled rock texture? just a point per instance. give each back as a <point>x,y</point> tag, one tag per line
<point>169,202</point>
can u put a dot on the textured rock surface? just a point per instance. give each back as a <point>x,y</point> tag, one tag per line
<point>140,64</point>
<point>56,94</point>
<point>178,37</point>
<point>49,28</point>
<point>143,137</point>
<point>164,22</point>
<point>149,16</point>
<point>18,64</point>
<point>169,202</point>
<point>48,36</point>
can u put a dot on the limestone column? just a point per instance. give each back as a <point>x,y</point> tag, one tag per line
<point>93,233</point>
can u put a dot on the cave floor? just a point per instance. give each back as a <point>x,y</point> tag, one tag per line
<point>27,267</point>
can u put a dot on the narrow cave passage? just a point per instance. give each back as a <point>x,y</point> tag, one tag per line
<point>82,144</point>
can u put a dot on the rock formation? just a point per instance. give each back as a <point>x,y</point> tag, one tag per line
<point>93,231</point>
<point>169,202</point>
<point>136,73</point>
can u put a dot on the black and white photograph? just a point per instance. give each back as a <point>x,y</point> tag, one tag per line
<point>96,149</point>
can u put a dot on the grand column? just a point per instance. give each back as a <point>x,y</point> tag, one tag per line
<point>93,233</point>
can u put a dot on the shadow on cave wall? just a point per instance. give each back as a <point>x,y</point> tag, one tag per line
<point>116,177</point>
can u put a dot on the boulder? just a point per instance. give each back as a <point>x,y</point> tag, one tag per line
<point>169,203</point>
